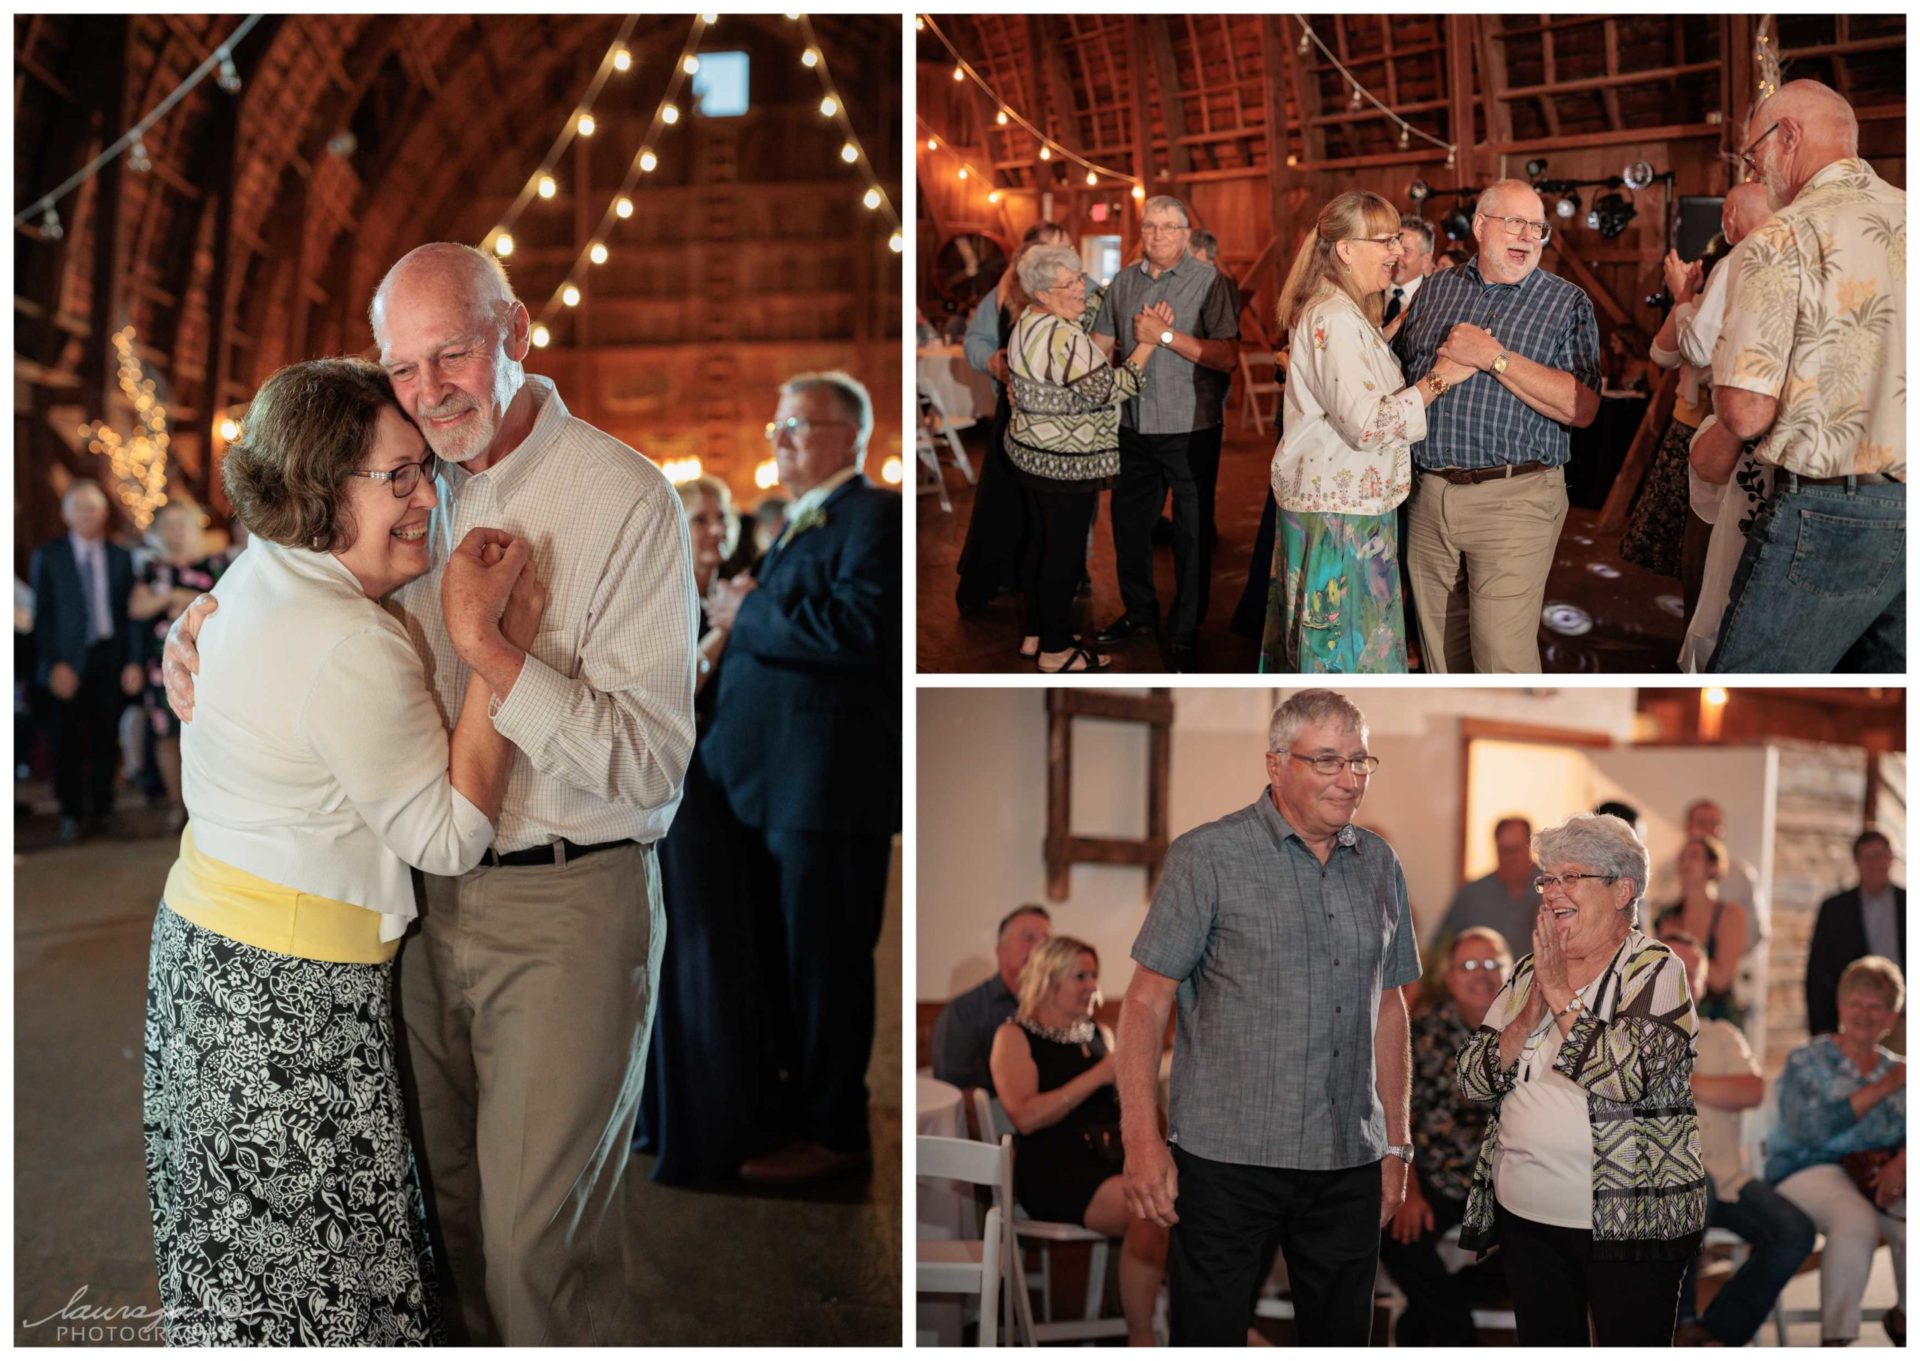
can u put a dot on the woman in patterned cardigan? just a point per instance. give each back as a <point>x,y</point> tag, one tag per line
<point>1590,1179</point>
<point>1064,443</point>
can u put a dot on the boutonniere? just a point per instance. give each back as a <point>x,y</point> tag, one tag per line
<point>811,518</point>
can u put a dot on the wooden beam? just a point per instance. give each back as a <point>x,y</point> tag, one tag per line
<point>1610,97</point>
<point>100,387</point>
<point>1663,75</point>
<point>1493,79</point>
<point>1646,439</point>
<point>1462,38</point>
<point>1159,44</point>
<point>1672,132</point>
<point>1059,797</point>
<point>1587,279</point>
<point>1306,102</point>
<point>1280,175</point>
<point>1549,111</point>
<point>1155,707</point>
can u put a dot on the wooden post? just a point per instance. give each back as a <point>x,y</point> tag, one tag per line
<point>1059,795</point>
<point>1460,38</point>
<point>1166,80</point>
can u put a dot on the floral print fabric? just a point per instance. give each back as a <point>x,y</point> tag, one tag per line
<point>286,1208</point>
<point>1350,416</point>
<point>1334,605</point>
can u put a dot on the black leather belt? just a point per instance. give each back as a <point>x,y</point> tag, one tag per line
<point>1468,477</point>
<point>554,853</point>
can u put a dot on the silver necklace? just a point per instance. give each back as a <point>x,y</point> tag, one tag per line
<point>1080,1032</point>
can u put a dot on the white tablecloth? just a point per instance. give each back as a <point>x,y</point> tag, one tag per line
<point>965,394</point>
<point>942,1209</point>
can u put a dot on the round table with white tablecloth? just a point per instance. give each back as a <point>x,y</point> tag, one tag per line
<point>942,1209</point>
<point>964,394</point>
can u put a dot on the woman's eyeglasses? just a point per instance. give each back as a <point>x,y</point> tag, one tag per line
<point>1475,965</point>
<point>404,478</point>
<point>1548,882</point>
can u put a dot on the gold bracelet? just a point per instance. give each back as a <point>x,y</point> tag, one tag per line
<point>1437,384</point>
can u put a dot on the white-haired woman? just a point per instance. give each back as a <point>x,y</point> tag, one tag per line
<point>1053,1071</point>
<point>1064,444</point>
<point>1343,464</point>
<point>1590,1179</point>
<point>713,530</point>
<point>1840,1150</point>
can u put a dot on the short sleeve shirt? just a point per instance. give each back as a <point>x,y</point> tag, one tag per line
<point>1280,962</point>
<point>1480,424</point>
<point>1179,395</point>
<point>1818,320</point>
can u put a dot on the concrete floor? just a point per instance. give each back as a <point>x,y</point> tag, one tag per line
<point>718,1267</point>
<point>1601,614</point>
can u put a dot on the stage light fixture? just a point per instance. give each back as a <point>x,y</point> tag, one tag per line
<point>1457,225</point>
<point>1610,215</point>
<point>1568,205</point>
<point>1536,167</point>
<point>1638,175</point>
<point>1418,191</point>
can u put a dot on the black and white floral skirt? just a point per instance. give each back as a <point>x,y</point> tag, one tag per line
<point>286,1207</point>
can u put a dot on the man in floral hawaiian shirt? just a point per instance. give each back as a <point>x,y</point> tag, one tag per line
<point>1812,363</point>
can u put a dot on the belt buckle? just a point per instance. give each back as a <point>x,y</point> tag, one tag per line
<point>560,854</point>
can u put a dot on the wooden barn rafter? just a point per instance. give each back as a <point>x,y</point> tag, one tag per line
<point>268,217</point>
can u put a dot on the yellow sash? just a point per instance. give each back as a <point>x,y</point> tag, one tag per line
<point>230,902</point>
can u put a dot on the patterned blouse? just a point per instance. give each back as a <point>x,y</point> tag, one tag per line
<point>1633,1052</point>
<point>1817,1123</point>
<point>1065,430</point>
<point>1351,416</point>
<point>1447,1130</point>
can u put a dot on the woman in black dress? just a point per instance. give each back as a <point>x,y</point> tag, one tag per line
<point>1053,1071</point>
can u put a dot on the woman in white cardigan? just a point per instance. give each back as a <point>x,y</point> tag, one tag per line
<point>1343,464</point>
<point>318,769</point>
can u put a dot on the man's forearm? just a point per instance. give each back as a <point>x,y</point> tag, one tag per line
<point>1136,1067</point>
<point>1220,355</point>
<point>1555,394</point>
<point>1393,1063</point>
<point>1714,452</point>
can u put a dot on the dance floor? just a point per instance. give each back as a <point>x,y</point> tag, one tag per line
<point>736,1266</point>
<point>1602,614</point>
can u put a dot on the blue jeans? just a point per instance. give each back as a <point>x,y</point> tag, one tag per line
<point>1781,1236</point>
<point>1822,585</point>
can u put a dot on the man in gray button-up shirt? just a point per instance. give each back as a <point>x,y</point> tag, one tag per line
<point>1283,932</point>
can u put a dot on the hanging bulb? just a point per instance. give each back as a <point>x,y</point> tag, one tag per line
<point>690,64</point>
<point>710,19</point>
<point>503,245</point>
<point>995,196</point>
<point>570,296</point>
<point>137,157</point>
<point>1406,137</point>
<point>872,199</point>
<point>1306,43</point>
<point>50,226</point>
<point>959,73</point>
<point>622,59</point>
<point>1001,118</point>
<point>1139,193</point>
<point>229,429</point>
<point>587,125</point>
<point>809,58</point>
<point>597,253</point>
<point>669,113</point>
<point>919,23</point>
<point>933,144</point>
<point>648,161</point>
<point>229,76</point>
<point>623,207</point>
<point>849,153</point>
<point>828,108</point>
<point>1092,178</point>
<point>1354,102</point>
<point>963,172</point>
<point>895,243</point>
<point>547,186</point>
<point>541,337</point>
<point>1450,158</point>
<point>1046,152</point>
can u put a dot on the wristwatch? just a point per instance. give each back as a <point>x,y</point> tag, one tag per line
<point>1575,1005</point>
<point>1500,362</point>
<point>1166,337</point>
<point>1404,1152</point>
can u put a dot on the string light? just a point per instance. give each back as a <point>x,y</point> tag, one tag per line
<point>139,459</point>
<point>229,77</point>
<point>548,186</point>
<point>648,161</point>
<point>680,471</point>
<point>587,125</point>
<point>959,73</point>
<point>1092,178</point>
<point>872,199</point>
<point>1139,193</point>
<point>597,253</point>
<point>691,65</point>
<point>1361,96</point>
<point>809,58</point>
<point>828,108</point>
<point>229,430</point>
<point>919,24</point>
<point>995,196</point>
<point>1001,118</point>
<point>622,59</point>
<point>541,336</point>
<point>137,158</point>
<point>1046,152</point>
<point>623,207</point>
<point>766,474</point>
<point>1355,101</point>
<point>710,19</point>
<point>669,114</point>
<point>933,144</point>
<point>849,153</point>
<point>963,172</point>
<point>503,245</point>
<point>50,226</point>
<point>896,243</point>
<point>570,296</point>
<point>832,106</point>
<point>891,471</point>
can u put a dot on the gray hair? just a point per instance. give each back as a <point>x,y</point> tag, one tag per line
<point>1167,201</point>
<point>1603,841</point>
<point>849,391</point>
<point>1203,243</point>
<point>1310,707</point>
<point>1420,227</point>
<point>1039,264</point>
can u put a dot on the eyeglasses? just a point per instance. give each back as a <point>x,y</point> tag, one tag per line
<point>1518,226</point>
<point>1391,243</point>
<point>404,478</point>
<point>1078,281</point>
<point>1475,965</point>
<point>1746,157</point>
<point>1160,228</point>
<point>1362,766</point>
<point>798,428</point>
<point>1548,882</point>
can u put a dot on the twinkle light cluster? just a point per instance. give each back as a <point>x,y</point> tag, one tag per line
<point>543,184</point>
<point>138,460</point>
<point>1050,146</point>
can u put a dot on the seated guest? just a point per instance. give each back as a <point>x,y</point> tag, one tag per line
<point>1063,442</point>
<point>1840,1149</point>
<point>1726,1081</point>
<point>1053,1071</point>
<point>1708,917</point>
<point>1343,466</point>
<point>1506,900</point>
<point>1587,1057</point>
<point>963,1036</point>
<point>1739,881</point>
<point>1451,258</point>
<point>1446,1140</point>
<point>1868,919</point>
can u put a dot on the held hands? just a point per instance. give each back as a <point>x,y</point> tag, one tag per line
<point>1450,371</point>
<point>1151,1183</point>
<point>724,597</point>
<point>63,680</point>
<point>997,366</point>
<point>1415,1215</point>
<point>1683,277</point>
<point>132,679</point>
<point>526,605</point>
<point>1890,1180</point>
<point>1149,322</point>
<point>180,657</point>
<point>474,590</point>
<point>1470,345</point>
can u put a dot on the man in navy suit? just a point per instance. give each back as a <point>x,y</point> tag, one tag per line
<point>805,748</point>
<point>1870,919</point>
<point>85,656</point>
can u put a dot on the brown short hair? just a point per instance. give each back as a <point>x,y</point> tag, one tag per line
<point>308,427</point>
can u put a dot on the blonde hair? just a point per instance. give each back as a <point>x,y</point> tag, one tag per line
<point>1872,973</point>
<point>1316,267</point>
<point>708,485</point>
<point>1052,960</point>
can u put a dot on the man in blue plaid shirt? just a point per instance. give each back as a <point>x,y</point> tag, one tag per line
<point>1492,494</point>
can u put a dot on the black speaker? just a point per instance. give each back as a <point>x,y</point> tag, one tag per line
<point>1699,223</point>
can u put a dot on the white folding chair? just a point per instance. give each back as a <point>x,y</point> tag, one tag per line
<point>1255,390</point>
<point>990,1120</point>
<point>966,1266</point>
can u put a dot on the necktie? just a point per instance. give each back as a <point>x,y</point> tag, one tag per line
<point>90,583</point>
<point>1393,305</point>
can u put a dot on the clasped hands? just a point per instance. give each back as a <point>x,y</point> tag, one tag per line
<point>1150,322</point>
<point>1683,277</point>
<point>1469,349</point>
<point>489,594</point>
<point>724,599</point>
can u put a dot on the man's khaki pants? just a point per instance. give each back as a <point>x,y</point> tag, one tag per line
<point>528,998</point>
<point>1479,557</point>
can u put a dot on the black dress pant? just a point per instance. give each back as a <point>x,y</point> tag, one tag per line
<point>1564,1297</point>
<point>1203,456</point>
<point>1440,1302</point>
<point>1057,523</point>
<point>1232,1219</point>
<point>996,539</point>
<point>86,736</point>
<point>1150,466</point>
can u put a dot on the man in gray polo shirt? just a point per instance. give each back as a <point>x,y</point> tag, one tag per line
<point>1284,934</point>
<point>1170,432</point>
